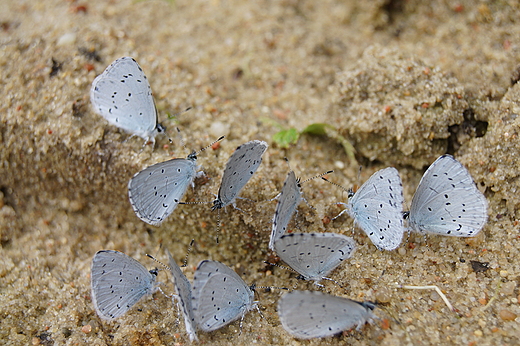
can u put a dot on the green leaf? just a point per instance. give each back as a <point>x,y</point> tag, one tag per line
<point>285,138</point>
<point>317,129</point>
<point>321,129</point>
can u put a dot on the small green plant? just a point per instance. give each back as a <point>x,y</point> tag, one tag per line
<point>287,137</point>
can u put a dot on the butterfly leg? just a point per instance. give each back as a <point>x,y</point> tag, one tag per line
<point>342,212</point>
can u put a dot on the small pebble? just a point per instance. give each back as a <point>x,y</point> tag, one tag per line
<point>508,288</point>
<point>383,295</point>
<point>503,273</point>
<point>385,323</point>
<point>66,39</point>
<point>478,333</point>
<point>86,328</point>
<point>507,315</point>
<point>218,129</point>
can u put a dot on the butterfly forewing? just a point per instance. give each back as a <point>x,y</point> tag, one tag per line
<point>314,255</point>
<point>240,167</point>
<point>288,201</point>
<point>219,296</point>
<point>118,282</point>
<point>184,297</point>
<point>312,314</point>
<point>377,208</point>
<point>447,201</point>
<point>122,95</point>
<point>156,191</point>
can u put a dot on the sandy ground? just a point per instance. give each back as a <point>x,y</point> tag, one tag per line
<point>404,81</point>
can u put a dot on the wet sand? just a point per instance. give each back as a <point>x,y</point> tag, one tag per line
<point>404,82</point>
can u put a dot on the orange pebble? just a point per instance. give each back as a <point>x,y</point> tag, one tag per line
<point>385,323</point>
<point>507,315</point>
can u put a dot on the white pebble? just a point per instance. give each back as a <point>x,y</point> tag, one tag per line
<point>218,129</point>
<point>339,164</point>
<point>67,39</point>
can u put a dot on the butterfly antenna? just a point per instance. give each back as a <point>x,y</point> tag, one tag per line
<point>287,161</point>
<point>206,147</point>
<point>349,191</point>
<point>157,287</point>
<point>350,194</point>
<point>299,277</point>
<point>171,116</point>
<point>156,260</point>
<point>280,266</point>
<point>180,139</point>
<point>188,253</point>
<point>319,176</point>
<point>218,223</point>
<point>197,202</point>
<point>301,182</point>
<point>172,296</point>
<point>161,128</point>
<point>359,174</point>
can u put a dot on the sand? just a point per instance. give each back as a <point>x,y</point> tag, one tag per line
<point>404,82</point>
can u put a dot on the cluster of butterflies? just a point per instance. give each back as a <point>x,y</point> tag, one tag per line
<point>217,297</point>
<point>446,202</point>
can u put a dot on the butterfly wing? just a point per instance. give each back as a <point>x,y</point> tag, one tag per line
<point>118,282</point>
<point>447,201</point>
<point>288,201</point>
<point>314,255</point>
<point>240,167</point>
<point>377,208</point>
<point>312,314</point>
<point>122,95</point>
<point>155,191</point>
<point>183,289</point>
<point>219,296</point>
